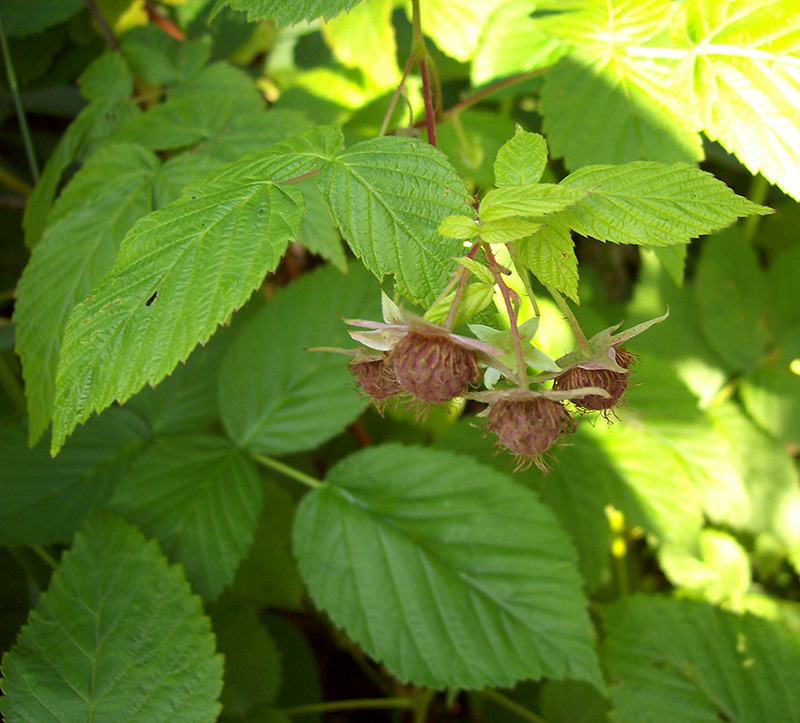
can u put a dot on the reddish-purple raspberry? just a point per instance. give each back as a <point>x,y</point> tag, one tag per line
<point>615,383</point>
<point>375,377</point>
<point>528,427</point>
<point>433,368</point>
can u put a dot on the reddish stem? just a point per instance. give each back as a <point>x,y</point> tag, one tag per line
<point>430,115</point>
<point>393,101</point>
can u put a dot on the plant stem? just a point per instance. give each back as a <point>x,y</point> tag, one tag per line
<point>14,183</point>
<point>522,271</point>
<point>7,295</point>
<point>396,95</point>
<point>23,121</point>
<point>285,469</point>
<point>102,23</point>
<point>757,193</point>
<point>522,376</point>
<point>12,387</point>
<point>46,556</point>
<point>510,705</point>
<point>580,337</point>
<point>419,50</point>
<point>463,277</point>
<point>302,177</point>
<point>358,704</point>
<point>491,89</point>
<point>422,704</point>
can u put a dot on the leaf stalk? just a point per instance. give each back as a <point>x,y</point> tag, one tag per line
<point>288,471</point>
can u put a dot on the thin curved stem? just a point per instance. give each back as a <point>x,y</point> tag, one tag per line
<point>396,95</point>
<point>288,471</point>
<point>522,272</point>
<point>512,706</point>
<point>358,704</point>
<point>423,702</point>
<point>23,121</point>
<point>13,389</point>
<point>580,337</point>
<point>46,556</point>
<point>497,272</point>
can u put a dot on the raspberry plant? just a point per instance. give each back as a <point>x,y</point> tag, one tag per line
<point>303,342</point>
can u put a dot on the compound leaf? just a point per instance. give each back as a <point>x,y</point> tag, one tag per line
<point>652,203</point>
<point>180,272</point>
<point>522,160</point>
<point>283,398</point>
<point>200,497</point>
<point>117,637</point>
<point>388,196</point>
<point>529,200</point>
<point>550,254</point>
<point>445,570</point>
<point>679,660</point>
<point>86,226</point>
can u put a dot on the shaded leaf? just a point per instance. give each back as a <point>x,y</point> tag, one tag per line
<point>677,660</point>
<point>67,487</point>
<point>200,497</point>
<point>278,399</point>
<point>444,570</point>
<point>771,395</point>
<point>26,17</point>
<point>388,196</point>
<point>317,230</point>
<point>115,621</point>
<point>223,235</point>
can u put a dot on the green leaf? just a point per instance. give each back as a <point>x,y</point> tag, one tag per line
<point>388,196</point>
<point>90,130</point>
<point>201,256</point>
<point>522,160</point>
<point>741,66</point>
<point>107,78</point>
<point>268,575</point>
<point>249,132</point>
<point>444,570</point>
<point>460,227</point>
<point>284,13</point>
<point>364,38</point>
<point>652,203</point>
<point>572,701</point>
<point>180,171</point>
<point>670,660</point>
<point>771,395</point>
<point>200,497</point>
<point>610,87</point>
<point>117,637</point>
<point>513,42</point>
<point>471,140</point>
<point>26,17</point>
<point>731,294</point>
<point>506,230</point>
<point>530,200</point>
<point>550,254</point>
<point>194,111</point>
<point>252,662</point>
<point>278,399</point>
<point>317,231</point>
<point>85,229</point>
<point>159,59</point>
<point>455,25</point>
<point>31,482</point>
<point>298,663</point>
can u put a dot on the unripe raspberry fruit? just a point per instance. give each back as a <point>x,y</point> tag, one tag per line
<point>375,377</point>
<point>615,383</point>
<point>528,427</point>
<point>433,368</point>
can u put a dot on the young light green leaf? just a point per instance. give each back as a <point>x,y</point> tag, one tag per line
<point>513,42</point>
<point>200,497</point>
<point>388,196</point>
<point>652,203</point>
<point>182,271</point>
<point>530,200</point>
<point>742,69</point>
<point>80,478</point>
<point>475,298</point>
<point>116,620</point>
<point>284,13</point>
<point>402,548</point>
<point>710,664</point>
<point>522,160</point>
<point>506,230</point>
<point>460,227</point>
<point>550,254</point>
<point>283,399</point>
<point>85,229</point>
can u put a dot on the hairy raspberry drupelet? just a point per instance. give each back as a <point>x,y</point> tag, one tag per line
<point>433,368</point>
<point>528,427</point>
<point>375,377</point>
<point>615,383</point>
